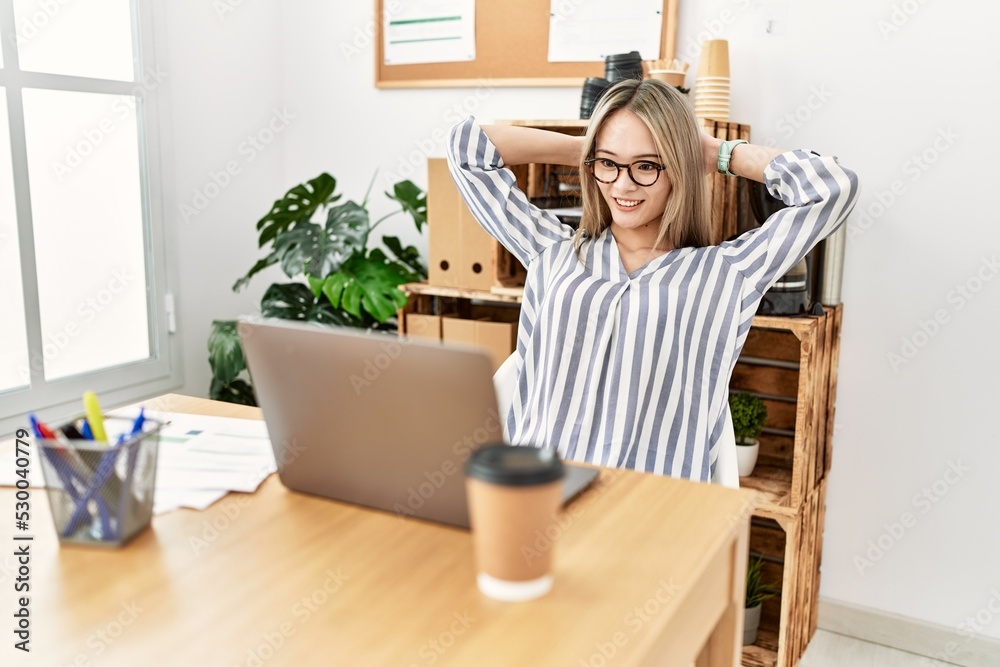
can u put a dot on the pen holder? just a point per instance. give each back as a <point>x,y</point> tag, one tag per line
<point>99,494</point>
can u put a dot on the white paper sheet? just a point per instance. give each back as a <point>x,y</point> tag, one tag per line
<point>585,30</point>
<point>429,31</point>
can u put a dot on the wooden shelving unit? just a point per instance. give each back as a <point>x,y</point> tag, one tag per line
<point>792,364</point>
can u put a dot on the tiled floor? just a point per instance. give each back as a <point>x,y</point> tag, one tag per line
<point>832,650</point>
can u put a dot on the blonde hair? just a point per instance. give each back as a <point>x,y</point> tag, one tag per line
<point>670,119</point>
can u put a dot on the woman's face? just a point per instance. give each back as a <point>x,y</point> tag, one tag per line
<point>625,139</point>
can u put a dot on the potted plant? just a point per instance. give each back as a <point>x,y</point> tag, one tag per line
<point>323,246</point>
<point>748,412</point>
<point>757,593</point>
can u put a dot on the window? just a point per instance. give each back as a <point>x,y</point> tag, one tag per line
<point>82,280</point>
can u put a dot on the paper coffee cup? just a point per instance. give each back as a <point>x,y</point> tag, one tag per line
<point>514,496</point>
<point>672,77</point>
<point>714,59</point>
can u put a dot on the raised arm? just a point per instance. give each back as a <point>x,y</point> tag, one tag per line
<point>524,145</point>
<point>819,194</point>
<point>478,166</point>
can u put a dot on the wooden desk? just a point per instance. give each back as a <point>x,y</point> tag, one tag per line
<point>649,571</point>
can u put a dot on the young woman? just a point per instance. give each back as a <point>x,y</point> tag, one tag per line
<point>631,326</point>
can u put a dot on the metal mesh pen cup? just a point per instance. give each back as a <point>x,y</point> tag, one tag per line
<point>100,494</point>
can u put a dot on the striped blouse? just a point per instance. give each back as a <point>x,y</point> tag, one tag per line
<point>632,370</point>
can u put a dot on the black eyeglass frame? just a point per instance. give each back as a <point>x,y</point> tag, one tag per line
<point>589,163</point>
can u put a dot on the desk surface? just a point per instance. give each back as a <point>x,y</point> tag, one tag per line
<point>644,568</point>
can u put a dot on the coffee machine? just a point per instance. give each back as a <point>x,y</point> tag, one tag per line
<point>793,293</point>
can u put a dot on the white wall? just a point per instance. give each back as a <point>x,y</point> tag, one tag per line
<point>895,95</point>
<point>877,101</point>
<point>223,85</point>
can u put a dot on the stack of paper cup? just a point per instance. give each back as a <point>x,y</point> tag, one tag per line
<point>711,88</point>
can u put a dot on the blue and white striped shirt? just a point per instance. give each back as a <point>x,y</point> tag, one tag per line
<point>632,370</point>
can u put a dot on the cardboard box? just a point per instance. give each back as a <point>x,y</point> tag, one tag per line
<point>498,339</point>
<point>427,327</point>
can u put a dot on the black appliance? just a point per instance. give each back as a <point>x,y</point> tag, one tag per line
<point>792,293</point>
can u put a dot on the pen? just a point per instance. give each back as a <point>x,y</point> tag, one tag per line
<point>94,418</point>
<point>41,430</point>
<point>137,424</point>
<point>66,462</point>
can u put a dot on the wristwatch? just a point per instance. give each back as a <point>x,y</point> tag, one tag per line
<point>726,152</point>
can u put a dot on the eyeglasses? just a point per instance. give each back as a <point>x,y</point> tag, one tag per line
<point>608,171</point>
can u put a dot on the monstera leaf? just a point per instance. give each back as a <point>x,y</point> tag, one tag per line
<point>298,205</point>
<point>256,268</point>
<point>319,251</point>
<point>408,256</point>
<point>296,208</point>
<point>238,391</point>
<point>412,199</point>
<point>225,355</point>
<point>295,301</point>
<point>370,283</point>
<point>225,351</point>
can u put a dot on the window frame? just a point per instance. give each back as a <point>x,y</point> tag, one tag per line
<point>161,371</point>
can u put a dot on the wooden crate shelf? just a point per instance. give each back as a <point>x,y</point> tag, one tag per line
<point>764,653</point>
<point>787,361</point>
<point>791,546</point>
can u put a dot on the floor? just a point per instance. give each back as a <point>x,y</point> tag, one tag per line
<point>832,650</point>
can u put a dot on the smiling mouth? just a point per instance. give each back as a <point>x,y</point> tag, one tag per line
<point>627,203</point>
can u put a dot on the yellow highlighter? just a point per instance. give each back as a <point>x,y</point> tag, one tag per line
<point>93,410</point>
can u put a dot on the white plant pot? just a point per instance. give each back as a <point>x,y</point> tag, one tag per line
<point>746,456</point>
<point>751,623</point>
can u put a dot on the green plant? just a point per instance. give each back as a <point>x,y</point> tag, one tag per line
<point>337,279</point>
<point>749,413</point>
<point>757,590</point>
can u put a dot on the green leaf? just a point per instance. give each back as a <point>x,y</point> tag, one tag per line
<point>297,206</point>
<point>295,301</point>
<point>333,287</point>
<point>319,251</point>
<point>408,256</point>
<point>412,199</point>
<point>749,414</point>
<point>348,223</point>
<point>288,301</point>
<point>237,391</point>
<point>305,249</point>
<point>256,268</point>
<point>756,590</point>
<point>369,284</point>
<point>225,351</point>
<point>315,285</point>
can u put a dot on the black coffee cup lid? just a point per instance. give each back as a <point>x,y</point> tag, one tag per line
<point>631,56</point>
<point>515,466</point>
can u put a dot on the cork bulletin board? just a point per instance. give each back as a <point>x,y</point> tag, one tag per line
<point>512,45</point>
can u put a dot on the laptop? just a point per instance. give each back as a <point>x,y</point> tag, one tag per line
<point>375,420</point>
